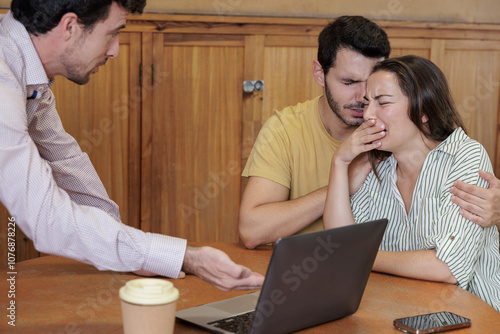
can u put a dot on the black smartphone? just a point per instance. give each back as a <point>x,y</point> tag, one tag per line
<point>431,323</point>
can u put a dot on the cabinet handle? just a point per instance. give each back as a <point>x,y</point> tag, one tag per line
<point>250,86</point>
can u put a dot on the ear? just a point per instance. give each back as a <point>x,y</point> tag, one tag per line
<point>425,119</point>
<point>318,73</point>
<point>69,26</point>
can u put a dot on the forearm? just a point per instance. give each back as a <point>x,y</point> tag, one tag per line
<point>268,222</point>
<point>337,206</point>
<point>420,264</point>
<point>57,225</point>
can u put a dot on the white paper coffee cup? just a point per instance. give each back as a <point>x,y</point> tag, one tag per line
<point>148,306</point>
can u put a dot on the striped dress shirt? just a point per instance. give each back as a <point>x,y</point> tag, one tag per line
<point>433,220</point>
<point>49,185</point>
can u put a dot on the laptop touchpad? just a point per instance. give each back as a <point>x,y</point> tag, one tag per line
<point>237,305</point>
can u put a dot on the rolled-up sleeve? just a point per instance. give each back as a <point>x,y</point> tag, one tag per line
<point>459,242</point>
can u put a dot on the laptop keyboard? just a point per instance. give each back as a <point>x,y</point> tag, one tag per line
<point>239,324</point>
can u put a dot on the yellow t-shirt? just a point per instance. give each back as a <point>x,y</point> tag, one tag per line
<point>294,149</point>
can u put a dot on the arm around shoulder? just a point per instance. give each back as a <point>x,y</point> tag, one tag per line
<point>479,205</point>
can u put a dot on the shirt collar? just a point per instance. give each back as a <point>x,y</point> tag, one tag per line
<point>452,144</point>
<point>35,73</point>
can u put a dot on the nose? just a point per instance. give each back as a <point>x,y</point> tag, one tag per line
<point>369,112</point>
<point>361,92</point>
<point>114,48</point>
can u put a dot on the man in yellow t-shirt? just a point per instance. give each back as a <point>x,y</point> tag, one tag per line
<point>294,150</point>
<point>289,165</point>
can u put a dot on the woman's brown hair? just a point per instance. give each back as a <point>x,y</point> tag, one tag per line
<point>428,95</point>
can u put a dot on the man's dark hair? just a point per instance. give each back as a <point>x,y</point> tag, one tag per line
<point>41,16</point>
<point>355,33</point>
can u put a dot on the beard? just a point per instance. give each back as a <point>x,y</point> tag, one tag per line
<point>353,121</point>
<point>76,67</point>
<point>76,77</point>
<point>77,72</point>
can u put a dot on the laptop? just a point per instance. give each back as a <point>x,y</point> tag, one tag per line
<point>311,279</point>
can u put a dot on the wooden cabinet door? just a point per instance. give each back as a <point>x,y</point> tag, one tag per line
<point>192,136</point>
<point>473,72</point>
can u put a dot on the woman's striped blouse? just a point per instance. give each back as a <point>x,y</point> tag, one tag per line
<point>433,221</point>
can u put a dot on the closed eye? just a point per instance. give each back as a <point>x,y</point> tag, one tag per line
<point>350,82</point>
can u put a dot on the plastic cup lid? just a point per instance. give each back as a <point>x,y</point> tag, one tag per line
<point>149,291</point>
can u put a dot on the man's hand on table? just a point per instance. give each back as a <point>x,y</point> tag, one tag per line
<point>479,205</point>
<point>215,267</point>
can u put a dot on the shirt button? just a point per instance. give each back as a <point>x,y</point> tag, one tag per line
<point>452,237</point>
<point>40,88</point>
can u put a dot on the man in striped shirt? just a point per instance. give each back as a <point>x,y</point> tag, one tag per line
<point>46,182</point>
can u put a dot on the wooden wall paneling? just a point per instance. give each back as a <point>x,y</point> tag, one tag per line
<point>478,97</point>
<point>163,142</point>
<point>252,102</point>
<point>163,187</point>
<point>474,78</point>
<point>405,46</point>
<point>288,72</point>
<point>224,25</point>
<point>146,132</point>
<point>248,25</point>
<point>297,40</point>
<point>438,52</point>
<point>440,30</point>
<point>134,141</point>
<point>196,138</point>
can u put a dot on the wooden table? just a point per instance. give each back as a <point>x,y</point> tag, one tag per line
<point>58,295</point>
